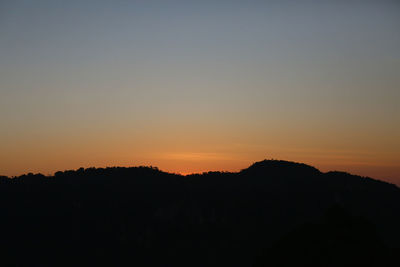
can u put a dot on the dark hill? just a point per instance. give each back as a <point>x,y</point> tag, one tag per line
<point>274,213</point>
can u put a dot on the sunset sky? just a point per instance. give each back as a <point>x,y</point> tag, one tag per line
<point>193,86</point>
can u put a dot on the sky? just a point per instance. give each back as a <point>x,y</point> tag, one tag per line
<point>193,86</point>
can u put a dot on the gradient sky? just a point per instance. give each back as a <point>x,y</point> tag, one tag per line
<point>192,86</point>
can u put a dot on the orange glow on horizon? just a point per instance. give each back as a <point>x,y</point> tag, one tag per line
<point>185,163</point>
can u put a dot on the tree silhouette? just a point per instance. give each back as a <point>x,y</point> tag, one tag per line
<point>274,213</point>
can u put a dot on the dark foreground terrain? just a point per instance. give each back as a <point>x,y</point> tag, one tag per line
<point>275,213</point>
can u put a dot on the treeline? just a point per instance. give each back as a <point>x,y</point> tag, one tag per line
<point>274,213</point>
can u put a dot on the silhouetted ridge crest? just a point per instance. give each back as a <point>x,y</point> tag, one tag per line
<point>281,167</point>
<point>141,216</point>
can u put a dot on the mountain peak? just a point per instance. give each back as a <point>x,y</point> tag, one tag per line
<point>281,166</point>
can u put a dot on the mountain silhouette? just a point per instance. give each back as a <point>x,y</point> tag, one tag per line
<point>274,213</point>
